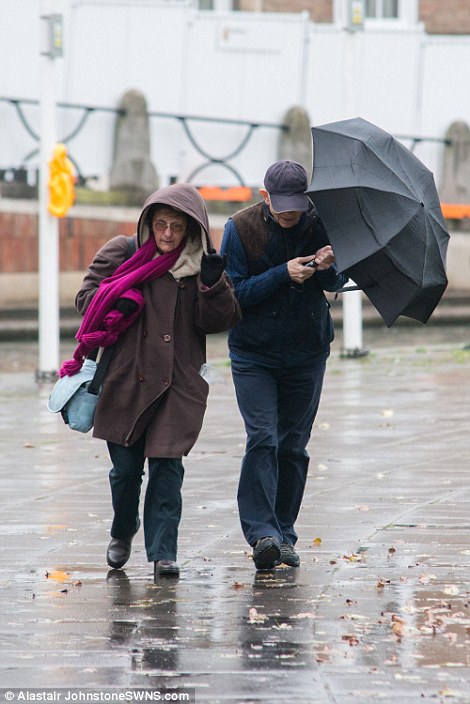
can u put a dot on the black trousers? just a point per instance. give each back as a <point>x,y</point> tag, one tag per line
<point>163,501</point>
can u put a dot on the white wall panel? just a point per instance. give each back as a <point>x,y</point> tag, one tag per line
<point>242,66</point>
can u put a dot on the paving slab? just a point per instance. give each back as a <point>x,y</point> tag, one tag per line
<point>379,610</point>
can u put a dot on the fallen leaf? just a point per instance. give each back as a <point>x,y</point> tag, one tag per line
<point>398,626</point>
<point>398,630</point>
<point>255,617</point>
<point>451,589</point>
<point>322,657</point>
<point>397,619</point>
<point>316,541</point>
<point>350,638</point>
<point>424,578</point>
<point>58,575</point>
<point>354,558</point>
<point>387,413</point>
<point>446,692</point>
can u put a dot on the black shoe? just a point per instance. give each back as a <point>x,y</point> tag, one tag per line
<point>266,553</point>
<point>289,556</point>
<point>165,568</point>
<point>119,551</point>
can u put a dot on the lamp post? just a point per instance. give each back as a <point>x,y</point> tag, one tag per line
<point>354,12</point>
<point>49,330</point>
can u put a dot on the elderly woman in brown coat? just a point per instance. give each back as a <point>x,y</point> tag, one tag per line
<point>153,398</point>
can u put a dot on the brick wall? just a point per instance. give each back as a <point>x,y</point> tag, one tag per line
<point>449,17</point>
<point>320,10</point>
<point>79,239</point>
<point>438,16</point>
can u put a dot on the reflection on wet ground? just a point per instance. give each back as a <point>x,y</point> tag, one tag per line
<point>236,635</point>
<point>378,611</point>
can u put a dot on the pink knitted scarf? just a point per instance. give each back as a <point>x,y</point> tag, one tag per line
<point>102,324</point>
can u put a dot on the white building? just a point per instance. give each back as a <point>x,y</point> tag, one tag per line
<point>244,66</point>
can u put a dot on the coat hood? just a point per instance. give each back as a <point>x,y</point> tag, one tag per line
<point>188,200</point>
<point>182,197</point>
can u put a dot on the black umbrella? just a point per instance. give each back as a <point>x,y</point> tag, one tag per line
<point>382,213</point>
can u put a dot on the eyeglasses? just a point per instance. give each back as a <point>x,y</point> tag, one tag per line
<point>161,226</point>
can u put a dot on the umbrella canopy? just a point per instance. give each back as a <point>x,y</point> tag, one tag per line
<point>382,213</point>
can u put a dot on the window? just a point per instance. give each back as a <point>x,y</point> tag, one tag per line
<point>382,9</point>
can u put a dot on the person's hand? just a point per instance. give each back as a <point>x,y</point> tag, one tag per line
<point>130,302</point>
<point>325,258</point>
<point>300,269</point>
<point>126,306</point>
<point>212,267</point>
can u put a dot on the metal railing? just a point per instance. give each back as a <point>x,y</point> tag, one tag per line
<point>184,120</point>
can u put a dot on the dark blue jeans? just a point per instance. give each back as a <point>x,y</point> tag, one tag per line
<point>163,502</point>
<point>278,407</point>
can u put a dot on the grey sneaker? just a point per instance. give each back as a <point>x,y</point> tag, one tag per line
<point>289,556</point>
<point>266,553</point>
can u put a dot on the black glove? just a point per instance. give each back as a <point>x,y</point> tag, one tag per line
<point>212,267</point>
<point>126,306</point>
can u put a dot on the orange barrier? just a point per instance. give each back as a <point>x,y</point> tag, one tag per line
<point>236,193</point>
<point>455,211</point>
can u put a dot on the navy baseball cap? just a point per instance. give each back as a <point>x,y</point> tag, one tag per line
<point>286,182</point>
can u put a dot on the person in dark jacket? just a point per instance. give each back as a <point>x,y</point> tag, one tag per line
<point>280,262</point>
<point>156,308</point>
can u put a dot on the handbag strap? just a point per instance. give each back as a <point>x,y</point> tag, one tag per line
<point>101,369</point>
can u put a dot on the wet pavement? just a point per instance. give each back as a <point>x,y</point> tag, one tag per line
<point>379,610</point>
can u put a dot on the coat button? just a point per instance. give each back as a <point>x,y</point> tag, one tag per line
<point>167,338</point>
<point>182,284</point>
<point>166,382</point>
<point>141,377</point>
<point>145,333</point>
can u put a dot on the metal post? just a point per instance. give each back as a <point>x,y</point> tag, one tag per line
<point>352,324</point>
<point>352,300</point>
<point>49,330</point>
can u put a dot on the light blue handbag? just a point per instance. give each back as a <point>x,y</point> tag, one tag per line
<point>76,396</point>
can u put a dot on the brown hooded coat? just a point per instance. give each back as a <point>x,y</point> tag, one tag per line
<point>153,382</point>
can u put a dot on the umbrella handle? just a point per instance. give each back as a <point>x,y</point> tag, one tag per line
<point>348,288</point>
<point>312,264</point>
